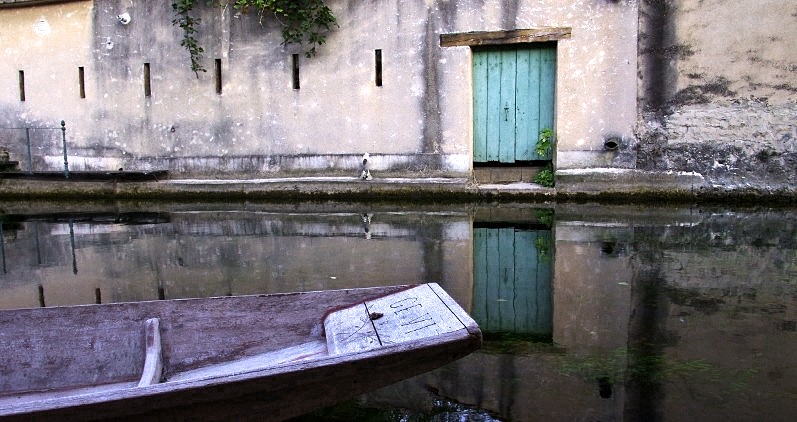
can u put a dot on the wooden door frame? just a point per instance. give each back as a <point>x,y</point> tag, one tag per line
<point>510,38</point>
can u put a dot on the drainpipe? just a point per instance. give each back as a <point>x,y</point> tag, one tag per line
<point>63,138</point>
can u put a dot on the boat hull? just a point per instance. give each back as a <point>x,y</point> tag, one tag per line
<point>208,333</point>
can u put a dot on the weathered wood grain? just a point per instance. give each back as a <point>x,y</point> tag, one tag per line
<point>402,317</point>
<point>350,330</point>
<point>106,343</point>
<point>517,36</point>
<point>293,354</point>
<point>412,315</point>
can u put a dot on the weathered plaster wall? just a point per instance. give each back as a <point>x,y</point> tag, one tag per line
<point>717,90</point>
<point>596,77</point>
<point>417,123</point>
<point>47,44</point>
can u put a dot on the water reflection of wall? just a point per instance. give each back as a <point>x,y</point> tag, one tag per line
<point>557,377</point>
<point>220,253</point>
<point>727,334</point>
<point>682,312</point>
<point>592,287</point>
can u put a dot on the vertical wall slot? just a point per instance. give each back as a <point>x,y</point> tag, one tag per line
<point>81,80</point>
<point>147,81</point>
<point>378,66</point>
<point>218,76</point>
<point>295,58</point>
<point>22,85</point>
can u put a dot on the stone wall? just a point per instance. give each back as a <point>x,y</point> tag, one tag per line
<point>717,91</point>
<point>700,86</point>
<point>253,122</point>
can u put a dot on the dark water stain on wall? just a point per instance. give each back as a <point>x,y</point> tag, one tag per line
<point>430,100</point>
<point>703,93</point>
<point>656,74</point>
<point>657,51</point>
<point>509,11</point>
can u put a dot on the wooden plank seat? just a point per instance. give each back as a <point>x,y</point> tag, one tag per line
<point>153,357</point>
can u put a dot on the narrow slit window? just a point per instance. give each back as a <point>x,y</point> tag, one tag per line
<point>218,76</point>
<point>81,80</point>
<point>22,85</point>
<point>295,58</point>
<point>378,67</point>
<point>147,81</point>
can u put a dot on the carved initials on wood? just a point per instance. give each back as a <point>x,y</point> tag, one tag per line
<point>412,324</point>
<point>419,320</point>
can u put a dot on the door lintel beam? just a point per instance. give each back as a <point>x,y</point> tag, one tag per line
<point>515,36</point>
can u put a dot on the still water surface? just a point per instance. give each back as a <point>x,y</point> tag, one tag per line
<point>589,312</point>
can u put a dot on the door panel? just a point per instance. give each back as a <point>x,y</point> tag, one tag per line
<point>507,106</point>
<point>514,92</point>
<point>494,104</point>
<point>547,94</point>
<point>528,104</point>
<point>480,107</point>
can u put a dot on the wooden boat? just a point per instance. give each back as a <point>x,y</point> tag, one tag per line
<point>264,357</point>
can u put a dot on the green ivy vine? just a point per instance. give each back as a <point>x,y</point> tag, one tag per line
<point>188,24</point>
<point>303,22</point>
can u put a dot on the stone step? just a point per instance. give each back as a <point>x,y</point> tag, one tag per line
<point>484,175</point>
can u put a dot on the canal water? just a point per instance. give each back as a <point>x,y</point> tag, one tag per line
<point>589,312</point>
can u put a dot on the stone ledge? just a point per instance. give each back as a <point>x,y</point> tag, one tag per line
<point>598,184</point>
<point>591,180</point>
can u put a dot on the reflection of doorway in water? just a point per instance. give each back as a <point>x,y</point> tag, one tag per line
<point>512,279</point>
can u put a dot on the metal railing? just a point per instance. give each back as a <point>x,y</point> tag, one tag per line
<point>28,143</point>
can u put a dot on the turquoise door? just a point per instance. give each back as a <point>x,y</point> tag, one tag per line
<point>512,281</point>
<point>513,100</point>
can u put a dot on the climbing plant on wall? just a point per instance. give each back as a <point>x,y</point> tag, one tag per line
<point>188,24</point>
<point>303,22</point>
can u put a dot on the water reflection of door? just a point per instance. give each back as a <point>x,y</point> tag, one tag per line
<point>512,280</point>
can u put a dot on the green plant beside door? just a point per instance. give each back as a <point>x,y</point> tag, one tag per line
<point>543,148</point>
